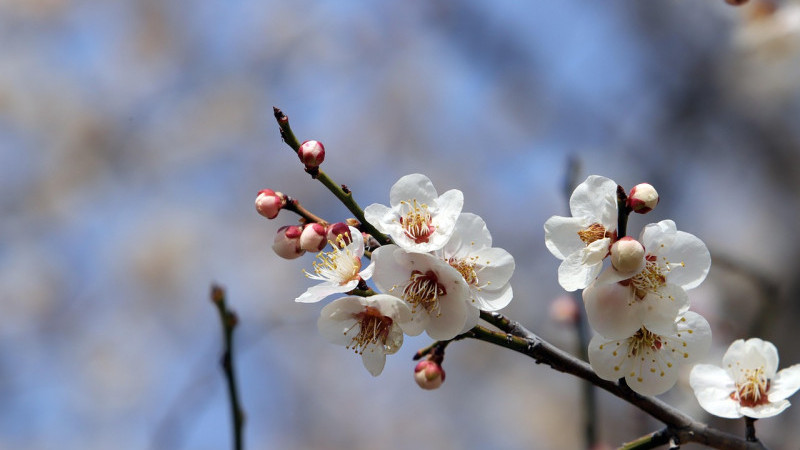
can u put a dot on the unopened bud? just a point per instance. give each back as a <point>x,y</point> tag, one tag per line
<point>643,198</point>
<point>287,242</point>
<point>429,374</point>
<point>339,228</point>
<point>627,256</point>
<point>313,238</point>
<point>269,203</point>
<point>312,153</point>
<point>564,309</point>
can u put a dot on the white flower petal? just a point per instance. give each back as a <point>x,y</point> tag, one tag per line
<point>692,339</point>
<point>336,318</point>
<point>451,320</point>
<point>317,292</point>
<point>689,260</point>
<point>608,357</point>
<point>413,186</point>
<point>389,275</point>
<point>494,266</point>
<point>573,274</point>
<point>373,359</point>
<point>654,375</point>
<point>751,354</point>
<point>561,235</point>
<point>654,235</point>
<point>785,383</point>
<point>611,310</point>
<point>661,308</point>
<point>469,234</point>
<point>766,410</point>
<point>713,387</point>
<point>596,198</point>
<point>381,217</point>
<point>493,300</point>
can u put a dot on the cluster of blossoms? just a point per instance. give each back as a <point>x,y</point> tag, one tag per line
<point>437,274</point>
<point>639,308</point>
<point>638,304</point>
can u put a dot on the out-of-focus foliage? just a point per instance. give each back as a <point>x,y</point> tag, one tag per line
<point>134,136</point>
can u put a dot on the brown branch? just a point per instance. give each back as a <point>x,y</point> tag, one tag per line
<point>681,427</point>
<point>229,321</point>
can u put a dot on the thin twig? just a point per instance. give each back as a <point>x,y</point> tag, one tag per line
<point>229,321</point>
<point>341,192</point>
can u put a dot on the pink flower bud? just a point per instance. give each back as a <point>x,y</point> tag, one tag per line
<point>312,153</point>
<point>564,309</point>
<point>313,238</point>
<point>429,374</point>
<point>269,203</point>
<point>287,242</point>
<point>335,229</point>
<point>627,256</point>
<point>643,198</point>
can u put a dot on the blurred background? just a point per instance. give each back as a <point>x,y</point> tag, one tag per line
<point>134,136</point>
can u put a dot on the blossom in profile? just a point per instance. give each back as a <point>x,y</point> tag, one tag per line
<point>617,304</point>
<point>436,293</point>
<point>370,326</point>
<point>649,359</point>
<point>338,270</point>
<point>748,383</point>
<point>583,240</point>
<point>486,269</point>
<point>418,220</point>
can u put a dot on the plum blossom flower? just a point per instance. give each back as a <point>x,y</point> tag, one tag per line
<point>339,270</point>
<point>486,269</point>
<point>617,304</point>
<point>747,384</point>
<point>582,241</point>
<point>419,220</point>
<point>370,326</point>
<point>649,359</point>
<point>436,292</point>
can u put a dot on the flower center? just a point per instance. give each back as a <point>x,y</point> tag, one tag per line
<point>642,341</point>
<point>649,279</point>
<point>466,267</point>
<point>751,389</point>
<point>593,232</point>
<point>417,221</point>
<point>424,291</point>
<point>339,265</point>
<point>373,328</point>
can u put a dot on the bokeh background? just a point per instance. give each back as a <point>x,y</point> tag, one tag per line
<point>134,135</point>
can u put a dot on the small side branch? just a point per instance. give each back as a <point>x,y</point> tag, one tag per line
<point>229,321</point>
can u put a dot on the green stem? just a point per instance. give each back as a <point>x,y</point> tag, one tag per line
<point>229,321</point>
<point>652,440</point>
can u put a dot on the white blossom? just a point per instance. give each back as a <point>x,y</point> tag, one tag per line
<point>582,241</point>
<point>618,304</point>
<point>649,359</point>
<point>486,269</point>
<point>418,220</point>
<point>747,384</point>
<point>339,270</point>
<point>436,293</point>
<point>370,326</point>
